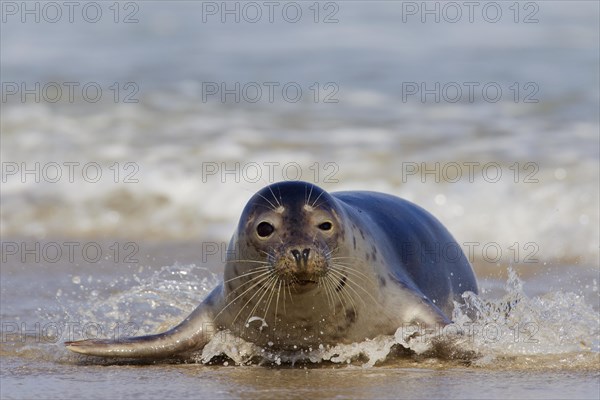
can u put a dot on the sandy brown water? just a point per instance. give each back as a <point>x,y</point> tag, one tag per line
<point>252,382</point>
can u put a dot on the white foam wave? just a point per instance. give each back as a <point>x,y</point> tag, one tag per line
<point>544,198</point>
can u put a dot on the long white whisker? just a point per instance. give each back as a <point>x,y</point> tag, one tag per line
<point>270,299</point>
<point>344,292</point>
<point>315,202</point>
<point>251,280</point>
<point>354,271</point>
<point>329,291</point>
<point>321,285</point>
<point>268,201</point>
<point>257,292</point>
<point>254,271</point>
<point>290,292</point>
<point>264,290</point>
<point>280,198</point>
<point>349,283</point>
<point>309,194</point>
<point>275,197</point>
<point>248,261</point>
<point>330,252</point>
<point>284,296</point>
<point>262,279</point>
<point>346,258</point>
<point>336,292</point>
<point>277,301</point>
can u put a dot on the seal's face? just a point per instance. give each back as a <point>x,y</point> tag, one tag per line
<point>288,277</point>
<point>294,227</point>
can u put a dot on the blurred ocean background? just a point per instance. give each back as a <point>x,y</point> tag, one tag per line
<point>165,144</point>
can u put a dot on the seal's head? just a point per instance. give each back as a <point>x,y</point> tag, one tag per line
<point>294,227</point>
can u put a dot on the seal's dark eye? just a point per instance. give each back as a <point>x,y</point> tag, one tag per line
<point>325,226</point>
<point>264,229</point>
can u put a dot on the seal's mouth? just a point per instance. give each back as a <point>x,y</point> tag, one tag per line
<point>299,286</point>
<point>304,282</point>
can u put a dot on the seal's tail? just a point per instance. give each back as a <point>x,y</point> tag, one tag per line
<point>152,346</point>
<point>192,334</point>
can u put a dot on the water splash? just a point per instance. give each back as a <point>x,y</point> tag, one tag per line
<point>557,329</point>
<point>96,308</point>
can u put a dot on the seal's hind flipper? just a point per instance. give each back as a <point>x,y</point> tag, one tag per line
<point>192,334</point>
<point>152,346</point>
<point>97,347</point>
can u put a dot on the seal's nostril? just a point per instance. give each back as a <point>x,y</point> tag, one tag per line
<point>296,255</point>
<point>305,254</point>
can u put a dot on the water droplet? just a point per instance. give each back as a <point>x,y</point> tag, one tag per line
<point>458,210</point>
<point>560,173</point>
<point>76,280</point>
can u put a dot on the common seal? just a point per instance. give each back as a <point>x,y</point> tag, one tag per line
<point>306,267</point>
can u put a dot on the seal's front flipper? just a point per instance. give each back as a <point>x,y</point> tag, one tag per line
<point>422,311</point>
<point>418,308</point>
<point>192,334</point>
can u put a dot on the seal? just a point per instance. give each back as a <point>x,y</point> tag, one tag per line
<point>306,267</point>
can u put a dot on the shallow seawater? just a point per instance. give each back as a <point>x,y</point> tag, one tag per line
<point>528,338</point>
<point>194,381</point>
